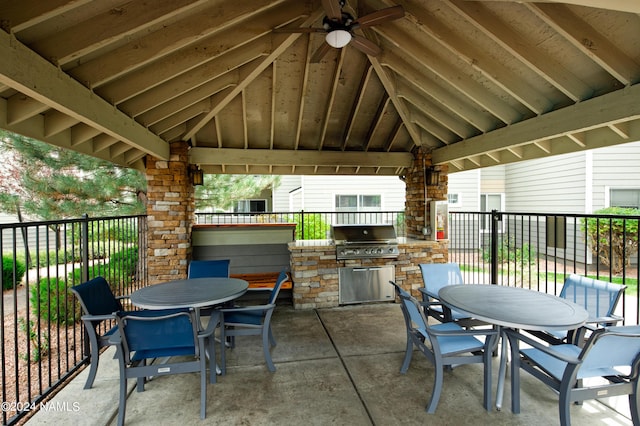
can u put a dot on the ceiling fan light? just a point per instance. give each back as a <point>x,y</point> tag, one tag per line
<point>338,38</point>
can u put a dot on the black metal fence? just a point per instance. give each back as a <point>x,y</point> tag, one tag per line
<point>312,225</point>
<point>43,339</point>
<point>538,251</point>
<point>44,343</point>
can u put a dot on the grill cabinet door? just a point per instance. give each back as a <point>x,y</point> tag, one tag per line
<point>371,284</point>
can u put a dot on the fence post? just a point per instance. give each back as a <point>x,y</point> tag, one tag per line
<point>84,247</point>
<point>302,224</point>
<point>495,218</point>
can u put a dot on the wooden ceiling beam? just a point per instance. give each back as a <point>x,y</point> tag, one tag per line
<point>264,157</point>
<point>503,78</point>
<point>32,75</point>
<point>591,114</point>
<point>522,49</point>
<point>187,69</point>
<point>433,110</point>
<point>275,53</point>
<point>196,31</point>
<point>587,39</point>
<point>433,86</point>
<point>422,56</point>
<point>107,28</point>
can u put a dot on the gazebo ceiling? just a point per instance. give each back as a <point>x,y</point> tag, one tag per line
<point>476,82</point>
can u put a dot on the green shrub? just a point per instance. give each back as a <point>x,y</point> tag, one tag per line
<point>314,227</point>
<point>8,277</point>
<point>52,301</point>
<point>120,270</point>
<point>613,239</point>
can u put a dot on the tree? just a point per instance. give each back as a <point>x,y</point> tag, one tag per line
<point>613,239</point>
<point>50,183</point>
<point>222,191</point>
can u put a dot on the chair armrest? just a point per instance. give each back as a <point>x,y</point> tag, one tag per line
<point>97,317</point>
<point>214,321</point>
<point>259,289</point>
<point>464,332</point>
<point>426,292</point>
<point>249,308</point>
<point>126,296</point>
<point>546,349</point>
<point>613,319</point>
<point>115,339</point>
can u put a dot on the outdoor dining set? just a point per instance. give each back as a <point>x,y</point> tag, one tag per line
<point>573,342</point>
<point>170,328</point>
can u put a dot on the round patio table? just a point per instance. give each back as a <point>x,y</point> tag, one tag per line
<point>189,293</point>
<point>515,308</point>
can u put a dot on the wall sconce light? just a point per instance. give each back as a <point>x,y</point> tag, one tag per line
<point>197,175</point>
<point>431,176</point>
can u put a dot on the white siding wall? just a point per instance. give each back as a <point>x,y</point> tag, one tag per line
<point>467,186</point>
<point>320,191</point>
<point>615,167</point>
<point>493,180</point>
<point>551,185</point>
<point>285,194</point>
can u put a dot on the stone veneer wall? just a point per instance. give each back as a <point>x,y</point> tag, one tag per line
<point>314,267</point>
<point>171,214</point>
<point>314,270</point>
<point>415,194</point>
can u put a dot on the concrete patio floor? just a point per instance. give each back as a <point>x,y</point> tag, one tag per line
<point>335,366</point>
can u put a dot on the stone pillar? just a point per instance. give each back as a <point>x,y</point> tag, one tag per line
<point>171,214</point>
<point>418,195</point>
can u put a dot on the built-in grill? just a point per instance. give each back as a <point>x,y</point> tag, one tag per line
<point>361,282</point>
<point>365,241</point>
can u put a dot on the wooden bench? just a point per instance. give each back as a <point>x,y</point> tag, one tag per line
<point>263,280</point>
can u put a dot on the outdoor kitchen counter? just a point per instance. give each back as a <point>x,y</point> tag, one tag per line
<point>314,268</point>
<point>306,244</point>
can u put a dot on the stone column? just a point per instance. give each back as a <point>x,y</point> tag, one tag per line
<point>171,214</point>
<point>418,196</point>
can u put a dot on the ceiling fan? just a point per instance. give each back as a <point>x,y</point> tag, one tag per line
<point>339,26</point>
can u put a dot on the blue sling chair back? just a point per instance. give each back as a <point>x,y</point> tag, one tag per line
<point>445,345</point>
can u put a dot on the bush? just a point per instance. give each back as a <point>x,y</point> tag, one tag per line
<point>120,270</point>
<point>314,227</point>
<point>9,280</point>
<point>52,301</point>
<point>613,239</point>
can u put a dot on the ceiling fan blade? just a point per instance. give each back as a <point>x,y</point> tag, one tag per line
<point>333,9</point>
<point>379,16</point>
<point>299,30</point>
<point>320,53</point>
<point>365,45</point>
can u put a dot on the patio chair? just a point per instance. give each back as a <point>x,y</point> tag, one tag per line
<point>209,268</point>
<point>445,345</point>
<point>218,268</point>
<point>599,298</point>
<point>435,276</point>
<point>146,335</point>
<point>98,305</point>
<point>606,366</point>
<point>252,320</point>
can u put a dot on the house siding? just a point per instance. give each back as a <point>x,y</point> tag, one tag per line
<point>318,193</point>
<point>551,185</point>
<point>616,167</point>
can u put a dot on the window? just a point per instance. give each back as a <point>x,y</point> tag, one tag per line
<point>628,198</point>
<point>358,203</point>
<point>489,202</point>
<point>250,206</point>
<point>454,200</point>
